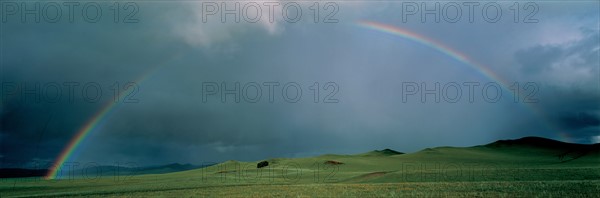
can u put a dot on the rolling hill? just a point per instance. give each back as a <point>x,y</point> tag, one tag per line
<point>521,167</point>
<point>500,160</point>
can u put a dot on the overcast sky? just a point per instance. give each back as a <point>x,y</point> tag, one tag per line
<point>171,53</point>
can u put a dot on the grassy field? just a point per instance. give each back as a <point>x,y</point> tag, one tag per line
<point>501,169</point>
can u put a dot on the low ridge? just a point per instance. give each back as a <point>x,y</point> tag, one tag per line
<point>563,150</point>
<point>540,142</point>
<point>382,152</point>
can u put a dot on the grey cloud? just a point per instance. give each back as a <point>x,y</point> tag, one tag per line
<point>570,93</point>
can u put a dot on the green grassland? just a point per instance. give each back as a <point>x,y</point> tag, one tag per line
<point>519,168</point>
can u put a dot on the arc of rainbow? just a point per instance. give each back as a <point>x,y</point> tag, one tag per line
<point>455,54</point>
<point>89,127</point>
<point>82,133</point>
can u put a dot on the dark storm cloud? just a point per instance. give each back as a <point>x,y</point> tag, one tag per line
<point>570,96</point>
<point>580,120</point>
<point>575,112</point>
<point>34,123</point>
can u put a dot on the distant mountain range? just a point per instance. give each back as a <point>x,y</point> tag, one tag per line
<point>561,152</point>
<point>103,170</point>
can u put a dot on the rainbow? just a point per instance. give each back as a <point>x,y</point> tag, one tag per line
<point>78,138</point>
<point>90,126</point>
<point>455,54</point>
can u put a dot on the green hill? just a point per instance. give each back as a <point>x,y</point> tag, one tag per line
<point>384,152</point>
<point>510,168</point>
<point>495,161</point>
